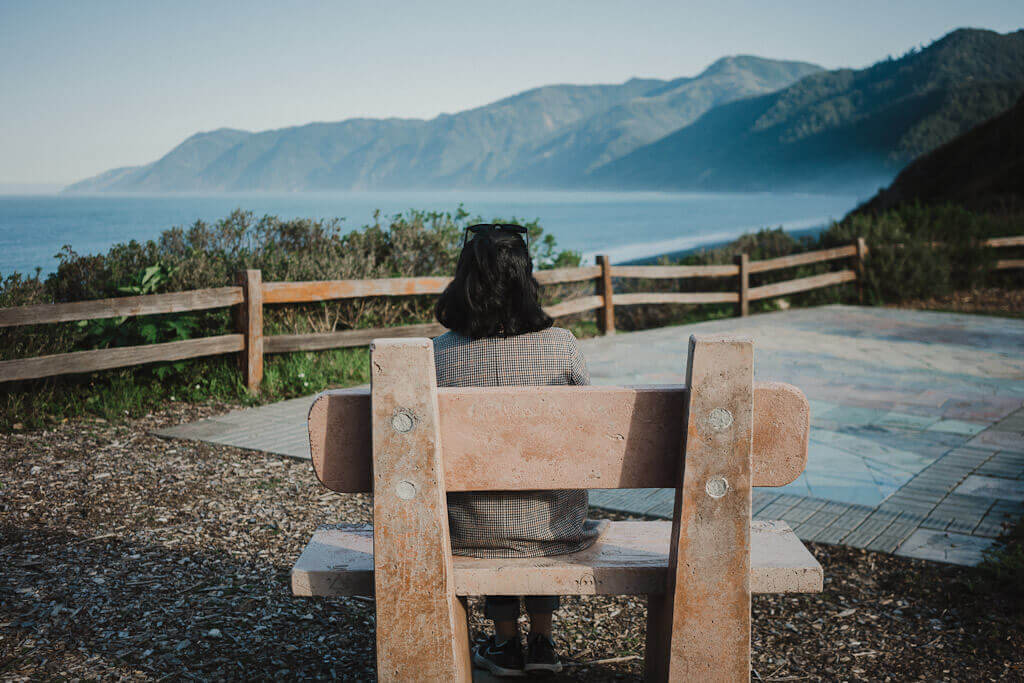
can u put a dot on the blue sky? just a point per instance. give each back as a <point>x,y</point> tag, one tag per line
<point>87,86</point>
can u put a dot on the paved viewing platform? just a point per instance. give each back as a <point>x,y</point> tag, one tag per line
<point>917,423</point>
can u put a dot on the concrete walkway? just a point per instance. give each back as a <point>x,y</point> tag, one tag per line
<point>917,438</point>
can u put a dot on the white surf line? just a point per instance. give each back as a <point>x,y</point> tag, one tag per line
<point>630,252</point>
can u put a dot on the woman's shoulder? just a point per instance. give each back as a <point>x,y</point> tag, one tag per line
<point>561,333</point>
<point>558,336</point>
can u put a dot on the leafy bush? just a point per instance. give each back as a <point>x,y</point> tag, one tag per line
<point>914,252</point>
<point>903,262</point>
<point>764,244</point>
<point>415,243</point>
<point>917,252</point>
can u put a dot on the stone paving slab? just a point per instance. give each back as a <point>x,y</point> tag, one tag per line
<point>988,487</point>
<point>917,426</point>
<point>955,548</point>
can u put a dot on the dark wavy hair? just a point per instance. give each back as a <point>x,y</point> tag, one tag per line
<point>494,293</point>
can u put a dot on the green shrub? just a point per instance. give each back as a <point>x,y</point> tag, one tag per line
<point>914,252</point>
<point>903,263</point>
<point>918,252</point>
<point>414,243</point>
<point>765,244</point>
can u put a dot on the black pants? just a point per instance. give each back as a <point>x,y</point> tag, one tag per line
<point>506,607</point>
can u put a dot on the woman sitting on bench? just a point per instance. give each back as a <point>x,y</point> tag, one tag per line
<point>500,336</point>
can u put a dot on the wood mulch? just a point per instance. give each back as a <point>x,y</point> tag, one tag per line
<point>127,556</point>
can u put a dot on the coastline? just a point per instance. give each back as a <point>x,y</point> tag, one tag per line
<point>690,244</point>
<point>627,227</point>
<point>653,260</point>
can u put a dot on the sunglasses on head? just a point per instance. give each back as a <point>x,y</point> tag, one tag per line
<point>496,227</point>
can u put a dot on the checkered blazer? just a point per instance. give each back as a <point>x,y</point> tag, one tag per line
<point>515,523</point>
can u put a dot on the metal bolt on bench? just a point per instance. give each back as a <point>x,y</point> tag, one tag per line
<point>410,442</point>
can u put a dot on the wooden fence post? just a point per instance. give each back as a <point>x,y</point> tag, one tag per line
<point>606,315</point>
<point>743,305</point>
<point>862,250</point>
<point>250,324</point>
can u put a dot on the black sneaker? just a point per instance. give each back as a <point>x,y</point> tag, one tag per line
<point>541,655</point>
<point>501,659</point>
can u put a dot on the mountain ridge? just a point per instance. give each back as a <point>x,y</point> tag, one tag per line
<point>847,126</point>
<point>983,169</point>
<point>475,147</point>
<point>745,123</point>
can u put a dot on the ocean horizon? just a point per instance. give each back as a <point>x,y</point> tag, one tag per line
<point>625,225</point>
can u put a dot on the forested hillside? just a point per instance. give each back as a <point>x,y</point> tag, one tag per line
<point>844,128</point>
<point>982,169</point>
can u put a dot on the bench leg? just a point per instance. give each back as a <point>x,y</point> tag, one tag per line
<point>421,624</point>
<point>656,651</point>
<point>704,614</point>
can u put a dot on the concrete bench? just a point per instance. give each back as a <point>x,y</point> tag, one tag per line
<point>409,442</point>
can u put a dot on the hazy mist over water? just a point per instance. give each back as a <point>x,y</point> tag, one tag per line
<point>625,225</point>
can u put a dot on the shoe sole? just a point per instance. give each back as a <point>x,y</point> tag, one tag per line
<point>484,663</point>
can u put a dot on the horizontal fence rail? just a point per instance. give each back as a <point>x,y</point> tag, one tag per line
<point>803,259</point>
<point>802,284</point>
<point>148,304</point>
<point>675,298</point>
<point>318,341</point>
<point>325,290</point>
<point>119,357</point>
<point>251,294</point>
<point>562,275</point>
<point>674,272</point>
<point>580,305</point>
<point>997,242</point>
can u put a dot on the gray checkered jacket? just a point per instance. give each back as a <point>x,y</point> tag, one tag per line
<point>515,523</point>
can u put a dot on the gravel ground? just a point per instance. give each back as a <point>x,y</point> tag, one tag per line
<point>126,556</point>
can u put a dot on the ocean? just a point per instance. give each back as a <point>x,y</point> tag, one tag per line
<point>624,225</point>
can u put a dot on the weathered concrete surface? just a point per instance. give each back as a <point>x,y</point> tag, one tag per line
<point>991,487</point>
<point>569,437</point>
<point>702,623</point>
<point>905,405</point>
<point>629,559</point>
<point>422,633</point>
<point>944,546</point>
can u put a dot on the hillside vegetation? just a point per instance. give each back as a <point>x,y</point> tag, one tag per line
<point>745,123</point>
<point>982,170</point>
<point>844,128</point>
<point>415,243</point>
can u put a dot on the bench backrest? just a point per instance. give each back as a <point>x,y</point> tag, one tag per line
<point>520,438</point>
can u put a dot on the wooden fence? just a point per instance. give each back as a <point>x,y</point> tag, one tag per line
<point>251,294</point>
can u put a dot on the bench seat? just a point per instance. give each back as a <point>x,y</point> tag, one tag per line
<point>631,558</point>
